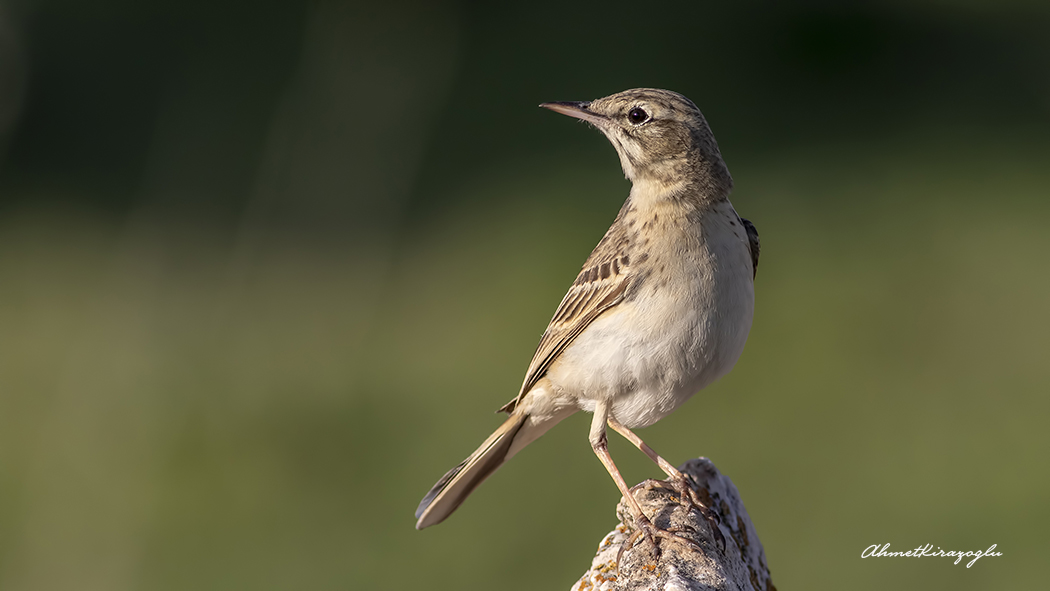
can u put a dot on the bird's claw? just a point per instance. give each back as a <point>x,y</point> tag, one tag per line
<point>690,498</point>
<point>645,528</point>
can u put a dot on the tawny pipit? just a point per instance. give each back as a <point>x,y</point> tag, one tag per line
<point>661,309</point>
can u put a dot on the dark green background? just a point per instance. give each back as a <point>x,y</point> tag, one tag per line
<point>267,268</point>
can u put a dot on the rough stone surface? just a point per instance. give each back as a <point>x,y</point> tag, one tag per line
<point>680,566</point>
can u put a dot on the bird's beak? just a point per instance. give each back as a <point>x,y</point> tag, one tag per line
<point>577,110</point>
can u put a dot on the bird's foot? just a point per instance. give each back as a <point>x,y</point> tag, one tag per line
<point>680,484</point>
<point>645,529</point>
<point>689,497</point>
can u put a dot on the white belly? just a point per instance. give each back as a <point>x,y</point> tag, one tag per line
<point>652,352</point>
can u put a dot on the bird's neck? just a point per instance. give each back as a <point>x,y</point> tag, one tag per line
<point>653,190</point>
<point>692,181</point>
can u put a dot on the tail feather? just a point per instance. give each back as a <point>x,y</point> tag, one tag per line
<point>517,431</point>
<point>460,481</point>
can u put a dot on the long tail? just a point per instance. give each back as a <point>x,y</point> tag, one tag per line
<point>516,432</point>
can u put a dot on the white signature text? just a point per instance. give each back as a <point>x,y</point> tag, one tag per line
<point>876,551</point>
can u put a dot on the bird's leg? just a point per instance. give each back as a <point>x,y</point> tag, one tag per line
<point>637,441</point>
<point>680,480</point>
<point>644,527</point>
<point>600,445</point>
<point>686,492</point>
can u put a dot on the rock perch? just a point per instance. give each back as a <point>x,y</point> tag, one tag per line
<point>680,565</point>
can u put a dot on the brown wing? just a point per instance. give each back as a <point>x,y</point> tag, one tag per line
<point>752,243</point>
<point>599,286</point>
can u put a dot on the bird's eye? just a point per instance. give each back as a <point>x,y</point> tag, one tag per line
<point>638,115</point>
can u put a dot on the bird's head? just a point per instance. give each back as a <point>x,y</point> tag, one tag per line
<point>661,136</point>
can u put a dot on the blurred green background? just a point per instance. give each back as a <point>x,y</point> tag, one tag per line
<point>267,269</point>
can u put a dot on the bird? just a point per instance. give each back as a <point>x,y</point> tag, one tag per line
<point>661,308</point>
